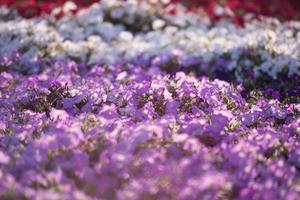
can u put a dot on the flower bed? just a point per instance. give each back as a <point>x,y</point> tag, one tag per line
<point>215,9</point>
<point>124,100</point>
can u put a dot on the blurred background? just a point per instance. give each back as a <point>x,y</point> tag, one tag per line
<point>215,9</point>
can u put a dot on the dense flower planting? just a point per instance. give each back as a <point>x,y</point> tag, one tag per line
<point>124,100</point>
<point>215,9</point>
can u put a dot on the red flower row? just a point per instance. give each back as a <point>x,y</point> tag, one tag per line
<point>281,9</point>
<point>31,8</point>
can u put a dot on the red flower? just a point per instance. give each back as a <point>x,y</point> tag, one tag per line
<point>284,10</point>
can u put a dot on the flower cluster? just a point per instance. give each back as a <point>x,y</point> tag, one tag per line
<point>125,101</point>
<point>237,9</point>
<point>120,131</point>
<point>32,8</point>
<point>111,31</point>
<point>215,9</point>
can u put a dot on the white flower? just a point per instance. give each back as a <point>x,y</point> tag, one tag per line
<point>126,36</point>
<point>157,24</point>
<point>87,32</point>
<point>69,6</point>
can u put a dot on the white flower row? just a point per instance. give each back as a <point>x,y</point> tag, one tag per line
<point>102,33</point>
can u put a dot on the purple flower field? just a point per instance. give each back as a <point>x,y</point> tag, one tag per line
<point>123,101</point>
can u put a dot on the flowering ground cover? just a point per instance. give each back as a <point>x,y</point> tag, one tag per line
<point>127,100</point>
